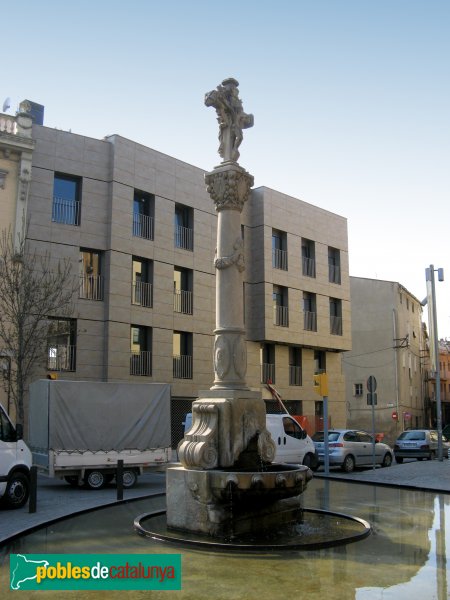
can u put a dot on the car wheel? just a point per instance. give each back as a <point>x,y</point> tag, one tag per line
<point>95,480</point>
<point>387,460</point>
<point>129,478</point>
<point>17,491</point>
<point>349,464</point>
<point>399,459</point>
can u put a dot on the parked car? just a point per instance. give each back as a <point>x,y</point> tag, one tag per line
<point>349,448</point>
<point>420,444</point>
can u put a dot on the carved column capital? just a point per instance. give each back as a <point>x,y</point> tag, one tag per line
<point>229,187</point>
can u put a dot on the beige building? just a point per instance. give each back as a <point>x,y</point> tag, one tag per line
<point>140,230</point>
<point>430,386</point>
<point>388,344</point>
<point>16,150</point>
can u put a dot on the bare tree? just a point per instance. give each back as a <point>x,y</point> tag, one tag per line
<point>32,289</point>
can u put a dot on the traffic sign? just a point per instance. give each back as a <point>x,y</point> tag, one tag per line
<point>371,399</point>
<point>371,384</point>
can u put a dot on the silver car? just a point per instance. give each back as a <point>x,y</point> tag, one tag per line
<point>350,448</point>
<point>420,444</point>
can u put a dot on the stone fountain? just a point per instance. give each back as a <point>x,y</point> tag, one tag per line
<point>226,484</point>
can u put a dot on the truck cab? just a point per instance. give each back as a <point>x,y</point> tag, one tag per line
<point>15,464</point>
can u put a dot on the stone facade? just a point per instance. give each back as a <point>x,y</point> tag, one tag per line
<point>388,344</point>
<point>16,151</point>
<point>140,230</point>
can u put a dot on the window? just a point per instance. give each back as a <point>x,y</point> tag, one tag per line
<point>143,215</point>
<point>182,291</point>
<point>142,282</point>
<point>182,355</point>
<point>279,250</point>
<point>358,389</point>
<point>308,258</point>
<point>183,227</point>
<point>293,429</point>
<point>7,432</point>
<point>141,346</point>
<point>66,199</point>
<point>61,344</point>
<point>320,363</point>
<point>268,363</point>
<point>334,265</point>
<point>91,280</point>
<point>280,306</point>
<point>335,316</point>
<point>309,312</point>
<point>295,366</point>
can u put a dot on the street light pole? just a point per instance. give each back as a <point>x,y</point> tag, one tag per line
<point>429,273</point>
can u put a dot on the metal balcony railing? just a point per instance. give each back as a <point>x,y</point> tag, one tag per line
<point>267,372</point>
<point>295,375</point>
<point>66,211</point>
<point>310,321</point>
<point>309,266</point>
<point>141,363</point>
<point>184,237</point>
<point>142,294</point>
<point>91,287</point>
<point>335,325</point>
<point>334,274</point>
<point>61,358</point>
<point>182,367</point>
<point>182,302</point>
<point>143,226</point>
<point>281,316</point>
<point>279,259</point>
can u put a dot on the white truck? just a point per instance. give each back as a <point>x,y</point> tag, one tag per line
<point>292,443</point>
<point>79,430</point>
<point>15,464</point>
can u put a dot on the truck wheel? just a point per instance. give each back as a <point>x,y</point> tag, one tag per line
<point>95,480</point>
<point>129,478</point>
<point>17,491</point>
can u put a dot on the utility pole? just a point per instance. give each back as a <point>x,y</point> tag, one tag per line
<point>434,346</point>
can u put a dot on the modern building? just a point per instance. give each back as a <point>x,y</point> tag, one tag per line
<point>140,231</point>
<point>388,343</point>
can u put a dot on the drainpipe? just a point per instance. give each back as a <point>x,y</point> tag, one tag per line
<point>394,328</point>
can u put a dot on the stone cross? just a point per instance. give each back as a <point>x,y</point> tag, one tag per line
<point>231,117</point>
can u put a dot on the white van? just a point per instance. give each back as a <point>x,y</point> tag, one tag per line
<point>293,444</point>
<point>15,464</point>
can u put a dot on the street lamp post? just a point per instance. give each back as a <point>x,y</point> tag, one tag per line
<point>434,346</point>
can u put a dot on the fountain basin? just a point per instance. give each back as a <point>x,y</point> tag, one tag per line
<point>226,502</point>
<point>265,486</point>
<point>315,530</point>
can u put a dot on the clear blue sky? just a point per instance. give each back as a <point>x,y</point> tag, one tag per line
<point>351,100</point>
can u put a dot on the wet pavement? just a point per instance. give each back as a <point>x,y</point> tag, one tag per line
<point>57,499</point>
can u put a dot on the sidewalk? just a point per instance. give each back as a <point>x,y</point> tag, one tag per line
<point>55,498</point>
<point>427,475</point>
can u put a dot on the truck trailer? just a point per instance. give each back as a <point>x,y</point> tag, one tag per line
<point>79,430</point>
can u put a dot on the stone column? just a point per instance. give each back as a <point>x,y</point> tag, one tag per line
<point>229,186</point>
<point>229,420</point>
